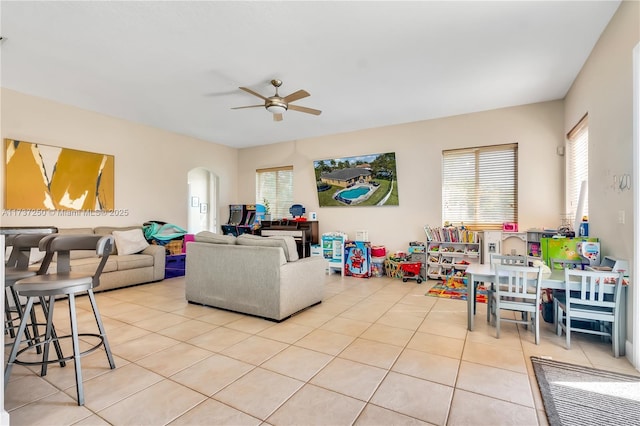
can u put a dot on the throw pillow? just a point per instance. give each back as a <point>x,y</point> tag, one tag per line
<point>130,242</point>
<point>213,238</point>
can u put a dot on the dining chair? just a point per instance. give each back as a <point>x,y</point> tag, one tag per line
<point>590,304</point>
<point>517,290</point>
<point>556,263</point>
<point>499,259</point>
<point>63,282</point>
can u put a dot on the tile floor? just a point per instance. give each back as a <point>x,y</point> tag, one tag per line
<point>375,352</point>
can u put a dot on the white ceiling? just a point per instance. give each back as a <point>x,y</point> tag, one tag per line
<point>178,65</point>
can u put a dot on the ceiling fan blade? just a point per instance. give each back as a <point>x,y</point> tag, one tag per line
<point>296,95</point>
<point>277,117</point>
<point>250,106</point>
<point>252,92</point>
<point>305,109</point>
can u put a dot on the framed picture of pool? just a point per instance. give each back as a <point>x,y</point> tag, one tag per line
<point>364,180</point>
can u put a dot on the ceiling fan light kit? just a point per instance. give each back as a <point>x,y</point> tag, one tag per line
<point>278,105</point>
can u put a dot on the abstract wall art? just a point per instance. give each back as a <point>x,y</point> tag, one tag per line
<point>47,177</point>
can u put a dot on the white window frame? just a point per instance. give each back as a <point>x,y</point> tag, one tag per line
<point>275,184</point>
<point>473,179</point>
<point>577,170</point>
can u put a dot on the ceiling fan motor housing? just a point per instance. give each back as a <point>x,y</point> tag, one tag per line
<point>275,101</point>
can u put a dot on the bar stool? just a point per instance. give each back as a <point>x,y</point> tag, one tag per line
<point>63,282</point>
<point>17,268</point>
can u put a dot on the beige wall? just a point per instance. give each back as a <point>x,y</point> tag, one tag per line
<point>151,165</point>
<point>538,129</point>
<point>604,90</point>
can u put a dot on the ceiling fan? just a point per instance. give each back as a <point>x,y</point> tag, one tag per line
<point>277,105</point>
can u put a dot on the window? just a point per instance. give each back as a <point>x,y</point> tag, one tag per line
<point>275,185</point>
<point>480,186</point>
<point>577,168</point>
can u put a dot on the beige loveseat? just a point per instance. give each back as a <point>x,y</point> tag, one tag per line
<point>120,270</point>
<point>260,276</point>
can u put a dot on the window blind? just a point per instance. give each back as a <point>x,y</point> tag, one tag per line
<point>577,167</point>
<point>276,186</point>
<point>480,186</point>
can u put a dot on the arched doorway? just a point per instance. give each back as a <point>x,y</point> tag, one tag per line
<point>203,201</point>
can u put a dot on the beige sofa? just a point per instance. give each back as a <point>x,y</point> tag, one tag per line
<point>120,270</point>
<point>260,276</point>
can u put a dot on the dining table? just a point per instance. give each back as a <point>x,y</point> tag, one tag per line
<point>485,273</point>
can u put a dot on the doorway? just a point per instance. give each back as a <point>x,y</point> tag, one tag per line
<point>202,201</point>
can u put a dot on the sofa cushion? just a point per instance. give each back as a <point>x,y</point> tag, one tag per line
<point>256,240</point>
<point>213,238</point>
<point>291,252</point>
<point>130,242</point>
<point>85,266</point>
<point>132,261</point>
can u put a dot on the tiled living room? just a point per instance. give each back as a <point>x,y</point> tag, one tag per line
<point>163,94</point>
<point>374,352</point>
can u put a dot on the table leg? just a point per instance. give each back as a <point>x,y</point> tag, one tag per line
<point>471,285</point>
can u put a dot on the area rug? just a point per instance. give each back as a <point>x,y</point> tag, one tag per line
<point>577,395</point>
<point>456,288</point>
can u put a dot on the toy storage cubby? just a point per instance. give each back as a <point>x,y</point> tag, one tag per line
<point>450,250</point>
<point>332,250</point>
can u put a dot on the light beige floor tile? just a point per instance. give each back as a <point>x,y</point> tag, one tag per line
<point>187,330</point>
<point>116,385</point>
<point>496,383</point>
<point>372,415</point>
<point>191,310</point>
<point>220,372</point>
<point>325,341</point>
<point>407,320</point>
<point>25,390</point>
<point>218,339</point>
<point>219,317</point>
<point>164,402</point>
<point>439,345</point>
<point>249,324</point>
<point>423,365</point>
<point>422,399</point>
<point>143,346</point>
<point>310,318</point>
<point>470,408</point>
<point>444,328</point>
<point>60,406</point>
<point>173,359</point>
<point>124,334</point>
<point>259,393</point>
<point>254,350</point>
<point>387,334</point>
<point>93,420</point>
<point>316,406</point>
<point>495,356</point>
<point>93,365</point>
<point>372,353</point>
<point>350,378</point>
<point>347,326</point>
<point>287,332</point>
<point>298,363</point>
<point>161,321</point>
<point>212,412</point>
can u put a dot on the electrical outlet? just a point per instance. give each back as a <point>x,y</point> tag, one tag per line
<point>621,217</point>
